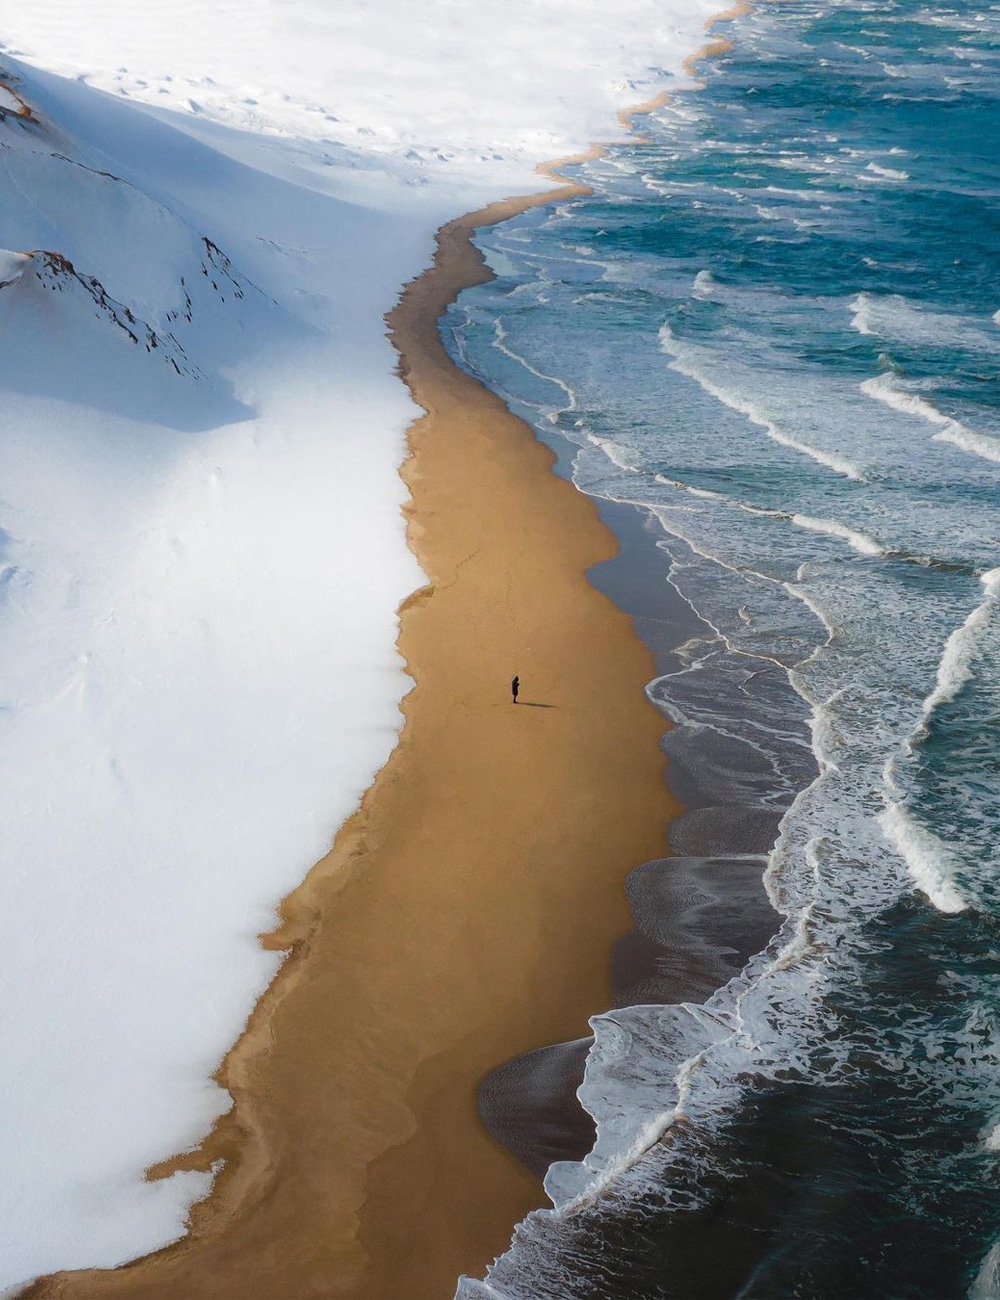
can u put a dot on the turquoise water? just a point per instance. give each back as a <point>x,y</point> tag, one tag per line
<point>775,326</point>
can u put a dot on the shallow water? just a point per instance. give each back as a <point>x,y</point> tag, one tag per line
<point>772,327</point>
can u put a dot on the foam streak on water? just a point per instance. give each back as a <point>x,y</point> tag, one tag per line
<point>883,389</point>
<point>772,328</point>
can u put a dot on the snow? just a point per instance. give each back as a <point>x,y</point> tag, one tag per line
<point>483,89</point>
<point>201,548</point>
<point>11,266</point>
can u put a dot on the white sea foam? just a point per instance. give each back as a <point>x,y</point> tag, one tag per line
<point>800,943</point>
<point>979,444</point>
<point>861,314</point>
<point>621,456</point>
<point>685,363</point>
<point>931,863</point>
<point>860,542</point>
<point>500,343</point>
<point>634,1052</point>
<point>562,1183</point>
<point>476,1288</point>
<point>804,196</point>
<point>675,527</point>
<point>883,388</point>
<point>958,656</point>
<point>894,317</point>
<point>986,1284</point>
<point>706,493</point>
<point>826,731</point>
<point>884,173</point>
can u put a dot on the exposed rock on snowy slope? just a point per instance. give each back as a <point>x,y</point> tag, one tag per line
<point>11,103</point>
<point>175,295</point>
<point>49,270</point>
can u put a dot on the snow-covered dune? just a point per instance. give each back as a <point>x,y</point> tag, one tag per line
<point>201,551</point>
<point>201,559</point>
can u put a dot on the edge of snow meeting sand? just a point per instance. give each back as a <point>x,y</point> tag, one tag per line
<point>200,570</point>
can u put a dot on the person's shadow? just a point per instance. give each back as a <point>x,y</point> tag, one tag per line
<point>531,704</point>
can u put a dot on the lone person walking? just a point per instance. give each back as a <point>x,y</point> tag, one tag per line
<point>514,687</point>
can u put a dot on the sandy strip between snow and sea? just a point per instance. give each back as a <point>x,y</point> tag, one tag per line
<point>465,914</point>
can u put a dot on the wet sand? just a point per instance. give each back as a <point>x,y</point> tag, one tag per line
<point>465,914</point>
<point>697,917</point>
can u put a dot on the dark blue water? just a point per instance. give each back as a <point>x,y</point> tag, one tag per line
<point>774,326</point>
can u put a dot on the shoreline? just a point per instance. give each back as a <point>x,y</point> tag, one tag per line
<point>274,1223</point>
<point>466,912</point>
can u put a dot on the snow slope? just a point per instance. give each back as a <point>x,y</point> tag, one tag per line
<point>455,87</point>
<point>201,552</point>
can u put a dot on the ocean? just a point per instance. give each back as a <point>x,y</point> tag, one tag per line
<point>773,329</point>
